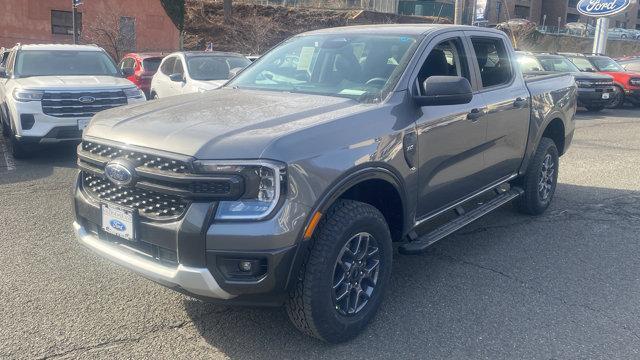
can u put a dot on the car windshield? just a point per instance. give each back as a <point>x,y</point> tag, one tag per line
<point>151,64</point>
<point>557,64</point>
<point>360,67</point>
<point>207,68</point>
<point>606,64</point>
<point>63,62</point>
<point>582,63</point>
<point>529,63</point>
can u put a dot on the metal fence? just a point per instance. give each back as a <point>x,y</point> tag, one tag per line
<point>387,6</point>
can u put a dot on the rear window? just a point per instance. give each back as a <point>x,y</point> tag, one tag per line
<point>151,64</point>
<point>214,67</point>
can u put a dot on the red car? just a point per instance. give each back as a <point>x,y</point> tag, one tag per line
<point>139,68</point>
<point>627,84</point>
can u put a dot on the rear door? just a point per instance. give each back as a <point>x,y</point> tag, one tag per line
<point>508,104</point>
<point>450,137</point>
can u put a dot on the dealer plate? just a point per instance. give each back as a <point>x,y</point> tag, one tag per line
<point>118,221</point>
<point>605,96</point>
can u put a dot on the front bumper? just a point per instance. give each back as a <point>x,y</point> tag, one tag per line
<point>192,254</point>
<point>197,281</point>
<point>633,95</point>
<point>594,96</point>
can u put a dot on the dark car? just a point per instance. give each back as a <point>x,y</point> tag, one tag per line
<point>595,91</point>
<point>289,184</point>
<point>139,68</point>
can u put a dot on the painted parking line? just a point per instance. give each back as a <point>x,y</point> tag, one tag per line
<point>7,163</point>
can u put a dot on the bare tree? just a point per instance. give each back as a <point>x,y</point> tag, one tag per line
<point>107,32</point>
<point>253,34</point>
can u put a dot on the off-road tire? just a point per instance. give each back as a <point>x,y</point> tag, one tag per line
<point>310,304</point>
<point>531,201</point>
<point>619,99</point>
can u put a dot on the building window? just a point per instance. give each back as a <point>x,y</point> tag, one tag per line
<point>573,3</point>
<point>62,22</point>
<point>522,12</point>
<point>573,18</point>
<point>127,32</point>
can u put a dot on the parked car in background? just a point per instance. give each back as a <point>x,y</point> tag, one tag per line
<point>139,68</point>
<point>620,33</point>
<point>580,29</point>
<point>289,185</point>
<point>595,91</point>
<point>195,71</point>
<point>626,84</point>
<point>631,64</point>
<point>48,93</point>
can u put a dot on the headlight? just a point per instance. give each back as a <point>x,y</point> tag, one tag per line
<point>634,82</point>
<point>27,95</point>
<point>264,182</point>
<point>583,83</point>
<point>133,93</point>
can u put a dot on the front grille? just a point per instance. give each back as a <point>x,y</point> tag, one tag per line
<point>150,204</point>
<point>69,104</point>
<point>147,161</point>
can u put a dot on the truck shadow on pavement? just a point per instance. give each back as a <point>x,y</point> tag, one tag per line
<point>627,112</point>
<point>39,165</point>
<point>507,286</point>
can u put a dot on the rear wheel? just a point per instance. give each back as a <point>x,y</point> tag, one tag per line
<point>342,282</point>
<point>540,181</point>
<point>16,149</point>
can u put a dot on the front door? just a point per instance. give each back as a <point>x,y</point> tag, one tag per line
<point>451,138</point>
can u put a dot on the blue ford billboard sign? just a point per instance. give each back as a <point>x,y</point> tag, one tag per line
<point>602,7</point>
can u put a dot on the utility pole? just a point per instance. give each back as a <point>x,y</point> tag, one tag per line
<point>74,16</point>
<point>457,14</point>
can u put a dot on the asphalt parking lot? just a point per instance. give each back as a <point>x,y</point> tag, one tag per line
<point>560,286</point>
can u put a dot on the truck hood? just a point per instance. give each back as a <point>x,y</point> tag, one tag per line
<point>72,82</point>
<point>218,124</point>
<point>591,76</point>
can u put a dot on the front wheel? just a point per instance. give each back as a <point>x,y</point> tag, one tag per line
<point>540,181</point>
<point>617,98</point>
<point>342,282</point>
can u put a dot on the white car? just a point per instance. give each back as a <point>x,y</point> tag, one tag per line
<point>48,93</point>
<point>195,71</point>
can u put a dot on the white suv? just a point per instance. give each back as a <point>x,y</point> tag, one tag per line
<point>195,71</point>
<point>48,93</point>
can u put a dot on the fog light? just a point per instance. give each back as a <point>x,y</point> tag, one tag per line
<point>245,265</point>
<point>27,121</point>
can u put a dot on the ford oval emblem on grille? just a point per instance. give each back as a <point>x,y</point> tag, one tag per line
<point>118,225</point>
<point>87,99</point>
<point>120,172</point>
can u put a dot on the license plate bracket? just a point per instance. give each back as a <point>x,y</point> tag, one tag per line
<point>119,221</point>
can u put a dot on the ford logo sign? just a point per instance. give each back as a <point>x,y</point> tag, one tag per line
<point>120,172</point>
<point>118,225</point>
<point>602,7</point>
<point>87,99</point>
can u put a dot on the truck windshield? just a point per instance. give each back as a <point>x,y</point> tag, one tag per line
<point>207,68</point>
<point>151,64</point>
<point>528,63</point>
<point>362,67</point>
<point>606,64</point>
<point>557,64</point>
<point>63,62</point>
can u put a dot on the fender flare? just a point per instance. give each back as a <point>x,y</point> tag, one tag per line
<point>533,145</point>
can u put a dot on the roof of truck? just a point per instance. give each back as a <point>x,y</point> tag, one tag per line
<point>60,47</point>
<point>398,29</point>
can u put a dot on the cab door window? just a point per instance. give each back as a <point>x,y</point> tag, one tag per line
<point>446,59</point>
<point>167,66</point>
<point>493,61</point>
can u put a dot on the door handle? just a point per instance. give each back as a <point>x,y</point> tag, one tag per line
<point>520,103</point>
<point>475,114</point>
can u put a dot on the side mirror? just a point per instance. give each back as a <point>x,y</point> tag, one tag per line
<point>177,77</point>
<point>235,71</point>
<point>445,90</point>
<point>126,72</point>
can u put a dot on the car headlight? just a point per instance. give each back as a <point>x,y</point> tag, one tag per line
<point>634,82</point>
<point>264,183</point>
<point>583,83</point>
<point>133,93</point>
<point>27,95</point>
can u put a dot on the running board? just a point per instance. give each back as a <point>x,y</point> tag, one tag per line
<point>421,244</point>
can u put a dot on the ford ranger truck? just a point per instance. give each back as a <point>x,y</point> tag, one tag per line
<point>289,185</point>
<point>627,83</point>
<point>595,91</point>
<point>48,93</point>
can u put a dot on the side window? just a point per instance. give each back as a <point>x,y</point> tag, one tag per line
<point>178,68</point>
<point>167,65</point>
<point>446,59</point>
<point>493,61</point>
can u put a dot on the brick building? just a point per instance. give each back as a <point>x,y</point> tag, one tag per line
<point>116,25</point>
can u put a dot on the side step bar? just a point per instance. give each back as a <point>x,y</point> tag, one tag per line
<point>421,244</point>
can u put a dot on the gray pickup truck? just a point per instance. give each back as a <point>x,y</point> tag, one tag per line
<point>289,185</point>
